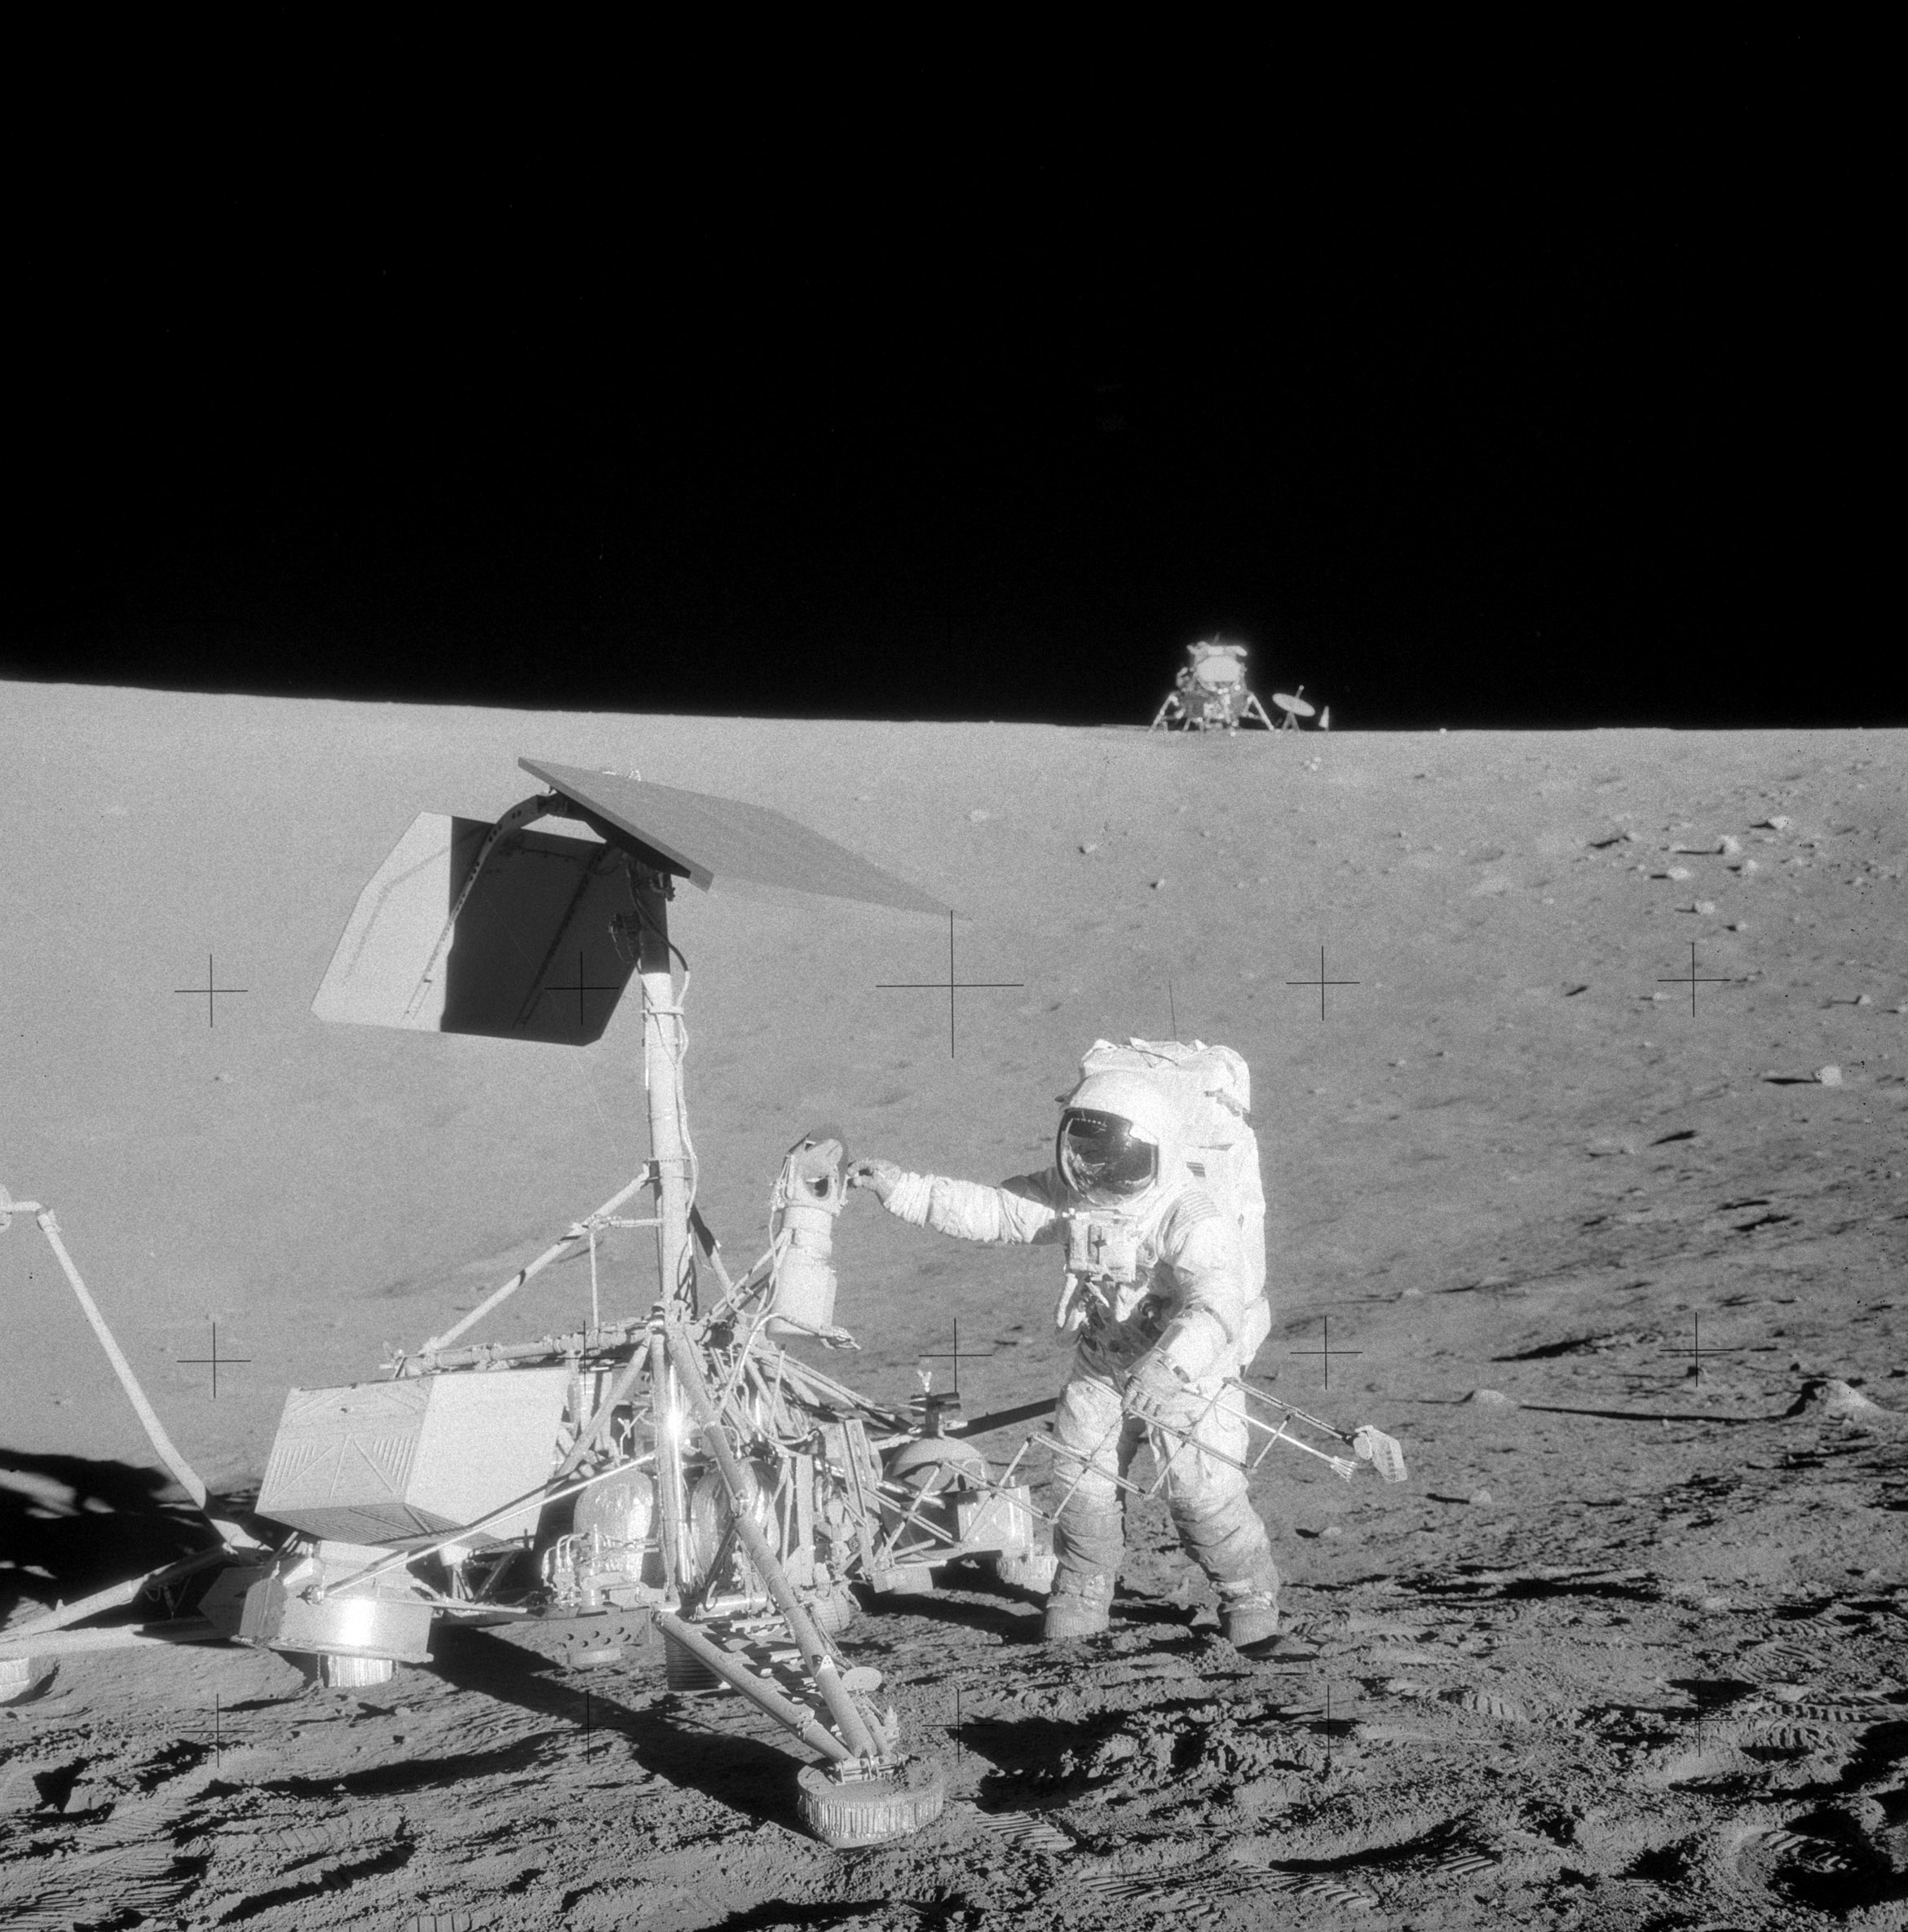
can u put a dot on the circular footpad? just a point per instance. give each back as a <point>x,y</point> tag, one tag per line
<point>870,1811</point>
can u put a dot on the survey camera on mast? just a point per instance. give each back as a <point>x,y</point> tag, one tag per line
<point>1211,694</point>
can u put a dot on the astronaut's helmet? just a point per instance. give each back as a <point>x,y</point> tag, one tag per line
<point>1115,1142</point>
<point>1101,1155</point>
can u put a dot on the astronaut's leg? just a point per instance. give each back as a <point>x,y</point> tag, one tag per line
<point>1090,1535</point>
<point>1217,1523</point>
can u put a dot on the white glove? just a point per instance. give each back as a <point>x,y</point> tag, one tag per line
<point>883,1176</point>
<point>1153,1384</point>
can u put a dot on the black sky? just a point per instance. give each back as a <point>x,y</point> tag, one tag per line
<point>1469,384</point>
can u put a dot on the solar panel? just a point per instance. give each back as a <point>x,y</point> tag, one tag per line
<point>525,947</point>
<point>707,840</point>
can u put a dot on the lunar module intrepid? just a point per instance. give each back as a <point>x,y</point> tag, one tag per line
<point>1211,694</point>
<point>675,1475</point>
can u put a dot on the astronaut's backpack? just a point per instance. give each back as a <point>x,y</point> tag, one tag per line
<point>1213,1089</point>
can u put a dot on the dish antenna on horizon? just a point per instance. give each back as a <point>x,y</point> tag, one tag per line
<point>1295,708</point>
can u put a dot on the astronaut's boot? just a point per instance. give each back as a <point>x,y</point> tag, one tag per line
<point>1249,1622</point>
<point>1076,1608</point>
<point>1230,1546</point>
<point>1087,1544</point>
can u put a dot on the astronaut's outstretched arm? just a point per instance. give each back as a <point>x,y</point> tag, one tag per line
<point>1021,1210</point>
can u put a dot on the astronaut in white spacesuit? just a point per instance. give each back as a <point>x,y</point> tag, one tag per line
<point>1159,1295</point>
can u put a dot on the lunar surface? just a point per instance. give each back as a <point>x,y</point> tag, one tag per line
<point>1578,1073</point>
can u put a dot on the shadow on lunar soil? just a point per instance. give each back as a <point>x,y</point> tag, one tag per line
<point>739,1773</point>
<point>73,1524</point>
